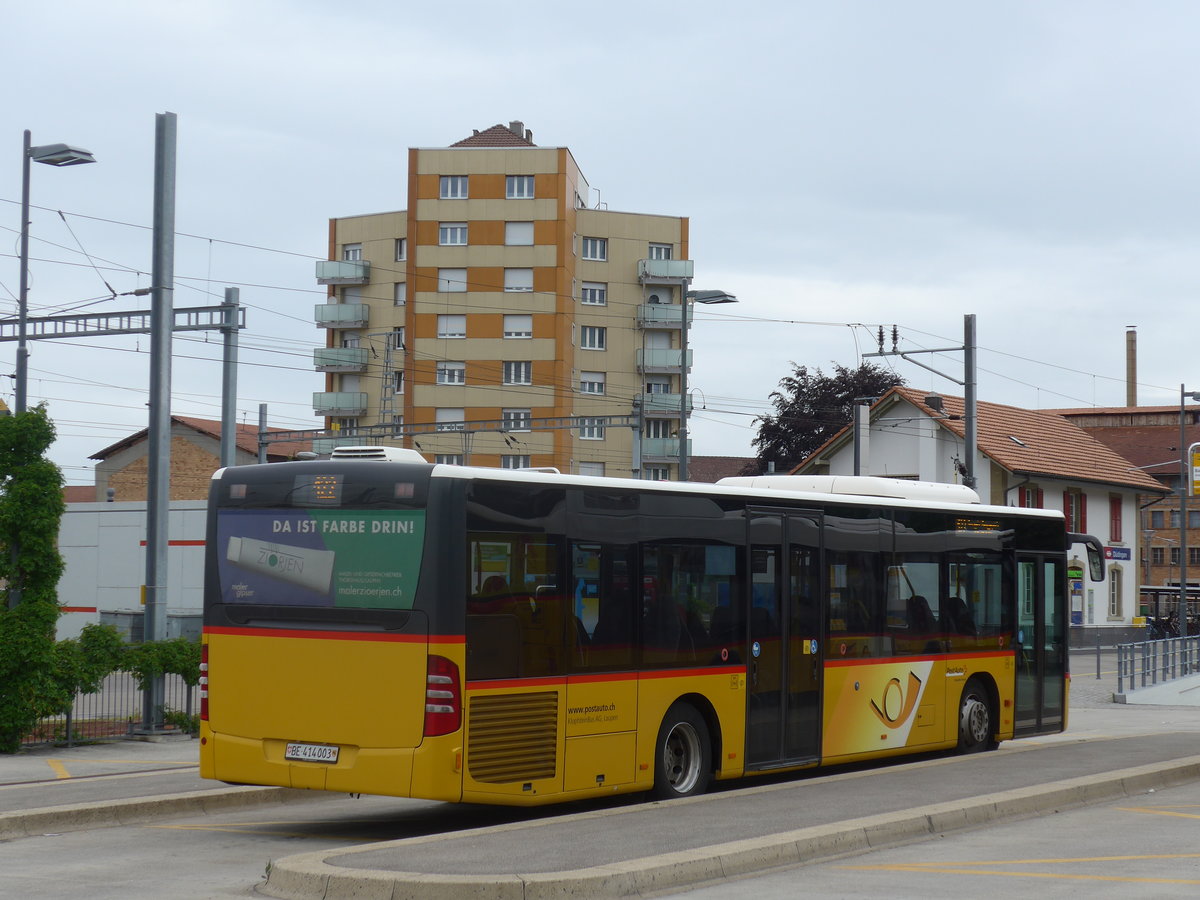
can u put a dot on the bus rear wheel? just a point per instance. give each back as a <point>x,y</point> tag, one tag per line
<point>682,755</point>
<point>975,720</point>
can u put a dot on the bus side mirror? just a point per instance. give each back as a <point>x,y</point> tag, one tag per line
<point>1095,553</point>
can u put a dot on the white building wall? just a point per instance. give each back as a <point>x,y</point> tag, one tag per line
<point>103,547</point>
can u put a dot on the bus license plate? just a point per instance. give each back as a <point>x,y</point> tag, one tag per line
<point>311,752</point>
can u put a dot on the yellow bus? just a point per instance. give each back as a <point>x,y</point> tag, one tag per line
<point>387,626</point>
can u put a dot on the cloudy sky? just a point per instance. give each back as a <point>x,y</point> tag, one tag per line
<point>844,164</point>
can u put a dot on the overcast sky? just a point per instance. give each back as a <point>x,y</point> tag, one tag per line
<point>844,165</point>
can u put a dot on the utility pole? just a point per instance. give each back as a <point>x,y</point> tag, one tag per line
<point>968,383</point>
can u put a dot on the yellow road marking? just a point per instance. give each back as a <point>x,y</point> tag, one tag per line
<point>1161,811</point>
<point>60,771</point>
<point>986,867</point>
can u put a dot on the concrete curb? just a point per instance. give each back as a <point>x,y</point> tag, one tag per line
<point>307,876</point>
<point>81,816</point>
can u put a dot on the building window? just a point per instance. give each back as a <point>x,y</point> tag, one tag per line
<point>518,279</point>
<point>518,326</point>
<point>1030,497</point>
<point>351,340</point>
<point>448,459</point>
<point>595,248</point>
<point>518,234</point>
<point>352,293</point>
<point>397,423</point>
<point>593,337</point>
<point>657,473</point>
<point>1158,556</point>
<point>1115,604</point>
<point>514,461</point>
<point>660,251</point>
<point>1173,519</point>
<point>1114,517</point>
<point>452,234</point>
<point>401,293</point>
<point>396,339</point>
<point>1193,557</point>
<point>345,427</point>
<point>454,187</point>
<point>451,373</point>
<point>518,187</point>
<point>452,326</point>
<point>516,419</point>
<point>448,418</point>
<point>1156,518</point>
<point>518,372</point>
<point>594,293</point>
<point>397,381</point>
<point>591,469</point>
<point>592,428</point>
<point>591,382</point>
<point>658,384</point>
<point>452,281</point>
<point>1193,518</point>
<point>659,429</point>
<point>1075,509</point>
<point>401,249</point>
<point>352,252</point>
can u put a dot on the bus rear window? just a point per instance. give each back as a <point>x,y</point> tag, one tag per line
<point>368,559</point>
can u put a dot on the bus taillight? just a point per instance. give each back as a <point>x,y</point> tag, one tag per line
<point>204,681</point>
<point>443,698</point>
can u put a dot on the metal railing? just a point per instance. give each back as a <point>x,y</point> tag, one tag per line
<point>115,711</point>
<point>1156,662</point>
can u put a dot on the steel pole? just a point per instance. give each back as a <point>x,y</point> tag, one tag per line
<point>159,474</point>
<point>229,379</point>
<point>1183,492</point>
<point>683,377</point>
<point>22,372</point>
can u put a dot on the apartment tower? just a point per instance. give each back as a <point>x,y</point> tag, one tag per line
<point>500,321</point>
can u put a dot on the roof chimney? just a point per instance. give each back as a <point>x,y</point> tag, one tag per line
<point>934,402</point>
<point>517,128</point>
<point>1131,365</point>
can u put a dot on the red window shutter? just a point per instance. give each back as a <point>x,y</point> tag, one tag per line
<point>1114,508</point>
<point>1041,501</point>
<point>1022,497</point>
<point>1083,512</point>
<point>1068,510</point>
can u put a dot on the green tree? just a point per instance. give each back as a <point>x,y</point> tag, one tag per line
<point>31,507</point>
<point>811,407</point>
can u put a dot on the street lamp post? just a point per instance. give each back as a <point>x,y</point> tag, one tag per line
<point>707,298</point>
<point>1184,486</point>
<point>51,155</point>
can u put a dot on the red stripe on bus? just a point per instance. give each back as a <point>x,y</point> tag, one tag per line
<point>178,543</point>
<point>68,609</point>
<point>690,673</point>
<point>926,657</point>
<point>335,635</point>
<point>516,683</point>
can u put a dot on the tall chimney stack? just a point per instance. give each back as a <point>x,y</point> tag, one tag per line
<point>1131,365</point>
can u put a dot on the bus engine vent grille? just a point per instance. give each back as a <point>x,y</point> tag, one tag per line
<point>512,738</point>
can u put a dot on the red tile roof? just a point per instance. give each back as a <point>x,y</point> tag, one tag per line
<point>1025,442</point>
<point>496,136</point>
<point>247,439</point>
<point>711,469</point>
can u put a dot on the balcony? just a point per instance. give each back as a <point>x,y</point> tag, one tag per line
<point>341,315</point>
<point>665,271</point>
<point>653,360</point>
<point>340,359</point>
<point>663,406</point>
<point>662,315</point>
<point>343,271</point>
<point>340,403</point>
<point>662,449</point>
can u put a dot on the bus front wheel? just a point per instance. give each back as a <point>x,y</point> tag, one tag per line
<point>682,755</point>
<point>975,720</point>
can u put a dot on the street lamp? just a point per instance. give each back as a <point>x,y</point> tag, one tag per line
<point>708,298</point>
<point>1185,463</point>
<point>51,155</point>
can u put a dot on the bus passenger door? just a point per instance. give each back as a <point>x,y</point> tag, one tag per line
<point>1041,645</point>
<point>784,654</point>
